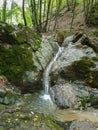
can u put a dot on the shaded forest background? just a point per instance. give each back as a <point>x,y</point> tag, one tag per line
<point>39,14</point>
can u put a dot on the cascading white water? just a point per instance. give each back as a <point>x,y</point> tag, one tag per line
<point>67,45</point>
<point>46,77</point>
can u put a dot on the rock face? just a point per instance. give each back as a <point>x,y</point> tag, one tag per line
<point>73,75</point>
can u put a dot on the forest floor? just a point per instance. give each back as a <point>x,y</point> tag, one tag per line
<point>64,23</point>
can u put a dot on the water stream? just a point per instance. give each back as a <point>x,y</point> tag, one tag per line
<point>36,102</point>
<point>46,77</point>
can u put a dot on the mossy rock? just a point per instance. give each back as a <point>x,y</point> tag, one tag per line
<point>6,27</point>
<point>5,33</point>
<point>78,69</point>
<point>13,36</point>
<point>15,61</point>
<point>95,58</point>
<point>82,67</point>
<point>28,36</point>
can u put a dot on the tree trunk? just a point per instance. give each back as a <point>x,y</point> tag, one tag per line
<point>68,7</point>
<point>74,6</point>
<point>23,12</point>
<point>40,15</point>
<point>57,13</point>
<point>34,15</point>
<point>46,23</point>
<point>4,11</point>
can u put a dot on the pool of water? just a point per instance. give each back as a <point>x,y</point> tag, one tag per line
<point>37,102</point>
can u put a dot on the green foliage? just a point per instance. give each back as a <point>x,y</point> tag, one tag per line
<point>15,61</point>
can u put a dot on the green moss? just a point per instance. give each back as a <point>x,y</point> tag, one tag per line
<point>6,27</point>
<point>29,36</point>
<point>79,70</point>
<point>15,61</point>
<point>95,58</point>
<point>5,33</point>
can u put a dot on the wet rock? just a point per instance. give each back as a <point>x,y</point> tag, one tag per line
<point>10,97</point>
<point>79,125</point>
<point>83,125</point>
<point>69,95</point>
<point>9,94</point>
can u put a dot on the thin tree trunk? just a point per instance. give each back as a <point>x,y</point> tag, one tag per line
<point>46,23</point>
<point>12,4</point>
<point>40,16</point>
<point>34,17</point>
<point>68,7</point>
<point>44,13</point>
<point>57,13</point>
<point>51,12</point>
<point>4,11</point>
<point>74,6</point>
<point>23,12</point>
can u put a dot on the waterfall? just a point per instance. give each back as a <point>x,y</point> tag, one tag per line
<point>46,77</point>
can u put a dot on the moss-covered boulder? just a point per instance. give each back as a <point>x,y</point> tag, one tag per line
<point>80,69</point>
<point>5,34</point>
<point>29,36</point>
<point>15,61</point>
<point>17,50</point>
